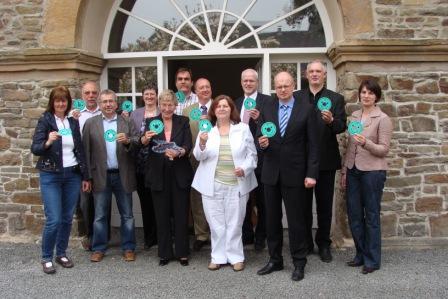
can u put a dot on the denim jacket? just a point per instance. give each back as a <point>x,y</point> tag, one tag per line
<point>50,159</point>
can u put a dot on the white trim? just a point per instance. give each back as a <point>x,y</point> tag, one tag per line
<point>266,75</point>
<point>325,20</point>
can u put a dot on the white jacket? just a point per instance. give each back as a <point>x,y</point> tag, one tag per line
<point>244,156</point>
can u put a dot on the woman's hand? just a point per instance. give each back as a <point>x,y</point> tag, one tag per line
<point>76,114</point>
<point>171,154</point>
<point>359,139</point>
<point>147,137</point>
<point>239,172</point>
<point>51,138</point>
<point>343,181</point>
<point>203,137</point>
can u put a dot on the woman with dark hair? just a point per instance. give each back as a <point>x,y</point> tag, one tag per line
<point>225,176</point>
<point>364,174</point>
<point>61,164</point>
<point>169,174</point>
<point>139,116</point>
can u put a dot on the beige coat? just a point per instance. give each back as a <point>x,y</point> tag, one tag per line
<point>372,156</point>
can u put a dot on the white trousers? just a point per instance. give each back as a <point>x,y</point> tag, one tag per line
<point>225,213</point>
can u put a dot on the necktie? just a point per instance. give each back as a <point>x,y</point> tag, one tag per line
<point>246,116</point>
<point>204,110</point>
<point>283,119</point>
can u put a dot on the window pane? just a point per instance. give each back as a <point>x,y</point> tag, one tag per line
<point>139,102</point>
<point>146,75</point>
<point>280,67</point>
<point>246,43</point>
<point>120,79</point>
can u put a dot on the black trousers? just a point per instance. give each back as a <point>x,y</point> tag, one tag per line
<point>294,199</point>
<point>256,198</point>
<point>323,191</point>
<point>172,201</point>
<point>147,207</point>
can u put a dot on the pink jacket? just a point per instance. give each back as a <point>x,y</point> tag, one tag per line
<point>371,156</point>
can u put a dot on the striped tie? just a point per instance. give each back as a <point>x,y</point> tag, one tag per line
<point>283,119</point>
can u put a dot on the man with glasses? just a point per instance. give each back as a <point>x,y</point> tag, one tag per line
<point>290,165</point>
<point>184,84</point>
<point>89,93</point>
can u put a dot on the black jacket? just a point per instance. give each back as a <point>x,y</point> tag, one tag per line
<point>329,158</point>
<point>294,156</point>
<point>50,159</point>
<point>261,100</point>
<point>181,169</point>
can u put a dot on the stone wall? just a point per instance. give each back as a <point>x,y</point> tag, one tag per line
<point>410,19</point>
<point>21,23</point>
<point>415,201</point>
<point>21,104</point>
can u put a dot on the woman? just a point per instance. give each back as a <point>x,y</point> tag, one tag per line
<point>169,175</point>
<point>61,164</point>
<point>364,174</point>
<point>225,176</point>
<point>139,117</point>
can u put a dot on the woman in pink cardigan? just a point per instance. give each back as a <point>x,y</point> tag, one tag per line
<point>364,174</point>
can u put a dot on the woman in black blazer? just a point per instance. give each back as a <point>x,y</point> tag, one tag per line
<point>169,175</point>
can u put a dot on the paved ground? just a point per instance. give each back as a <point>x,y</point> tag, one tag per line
<point>405,274</point>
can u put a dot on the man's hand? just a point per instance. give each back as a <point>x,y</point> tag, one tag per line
<point>327,116</point>
<point>310,182</point>
<point>254,114</point>
<point>263,141</point>
<point>121,138</point>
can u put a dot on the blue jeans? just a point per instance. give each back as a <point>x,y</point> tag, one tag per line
<point>60,192</point>
<point>103,201</point>
<point>364,192</point>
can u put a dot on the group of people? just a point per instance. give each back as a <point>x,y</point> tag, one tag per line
<point>251,154</point>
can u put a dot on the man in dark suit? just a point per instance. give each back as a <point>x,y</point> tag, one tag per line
<point>329,123</point>
<point>249,83</point>
<point>290,165</point>
<point>109,141</point>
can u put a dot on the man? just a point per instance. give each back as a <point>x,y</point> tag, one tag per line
<point>184,83</point>
<point>290,165</point>
<point>249,83</point>
<point>201,229</point>
<point>110,144</point>
<point>329,123</point>
<point>89,93</point>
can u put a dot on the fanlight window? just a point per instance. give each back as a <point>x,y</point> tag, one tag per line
<point>173,25</point>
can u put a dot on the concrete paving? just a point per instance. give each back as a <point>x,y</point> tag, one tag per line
<point>404,274</point>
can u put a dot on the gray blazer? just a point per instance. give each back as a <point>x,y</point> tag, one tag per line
<point>96,155</point>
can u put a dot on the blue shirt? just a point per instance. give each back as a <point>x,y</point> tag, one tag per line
<point>111,147</point>
<point>290,104</point>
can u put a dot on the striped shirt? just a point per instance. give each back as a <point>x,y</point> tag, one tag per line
<point>225,169</point>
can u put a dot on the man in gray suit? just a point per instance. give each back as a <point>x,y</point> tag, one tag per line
<point>110,142</point>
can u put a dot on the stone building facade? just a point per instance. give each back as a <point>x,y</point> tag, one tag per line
<point>401,43</point>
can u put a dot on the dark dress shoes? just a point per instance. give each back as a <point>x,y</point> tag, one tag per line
<point>164,262</point>
<point>269,268</point>
<point>64,261</point>
<point>325,254</point>
<point>48,267</point>
<point>298,273</point>
<point>183,262</point>
<point>367,270</point>
<point>354,263</point>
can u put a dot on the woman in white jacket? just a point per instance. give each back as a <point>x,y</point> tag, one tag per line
<point>225,176</point>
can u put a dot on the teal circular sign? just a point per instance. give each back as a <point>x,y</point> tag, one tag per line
<point>324,104</point>
<point>355,127</point>
<point>126,106</point>
<point>180,96</point>
<point>195,114</point>
<point>268,129</point>
<point>110,135</point>
<point>205,125</point>
<point>79,104</point>
<point>65,132</point>
<point>249,104</point>
<point>156,126</point>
